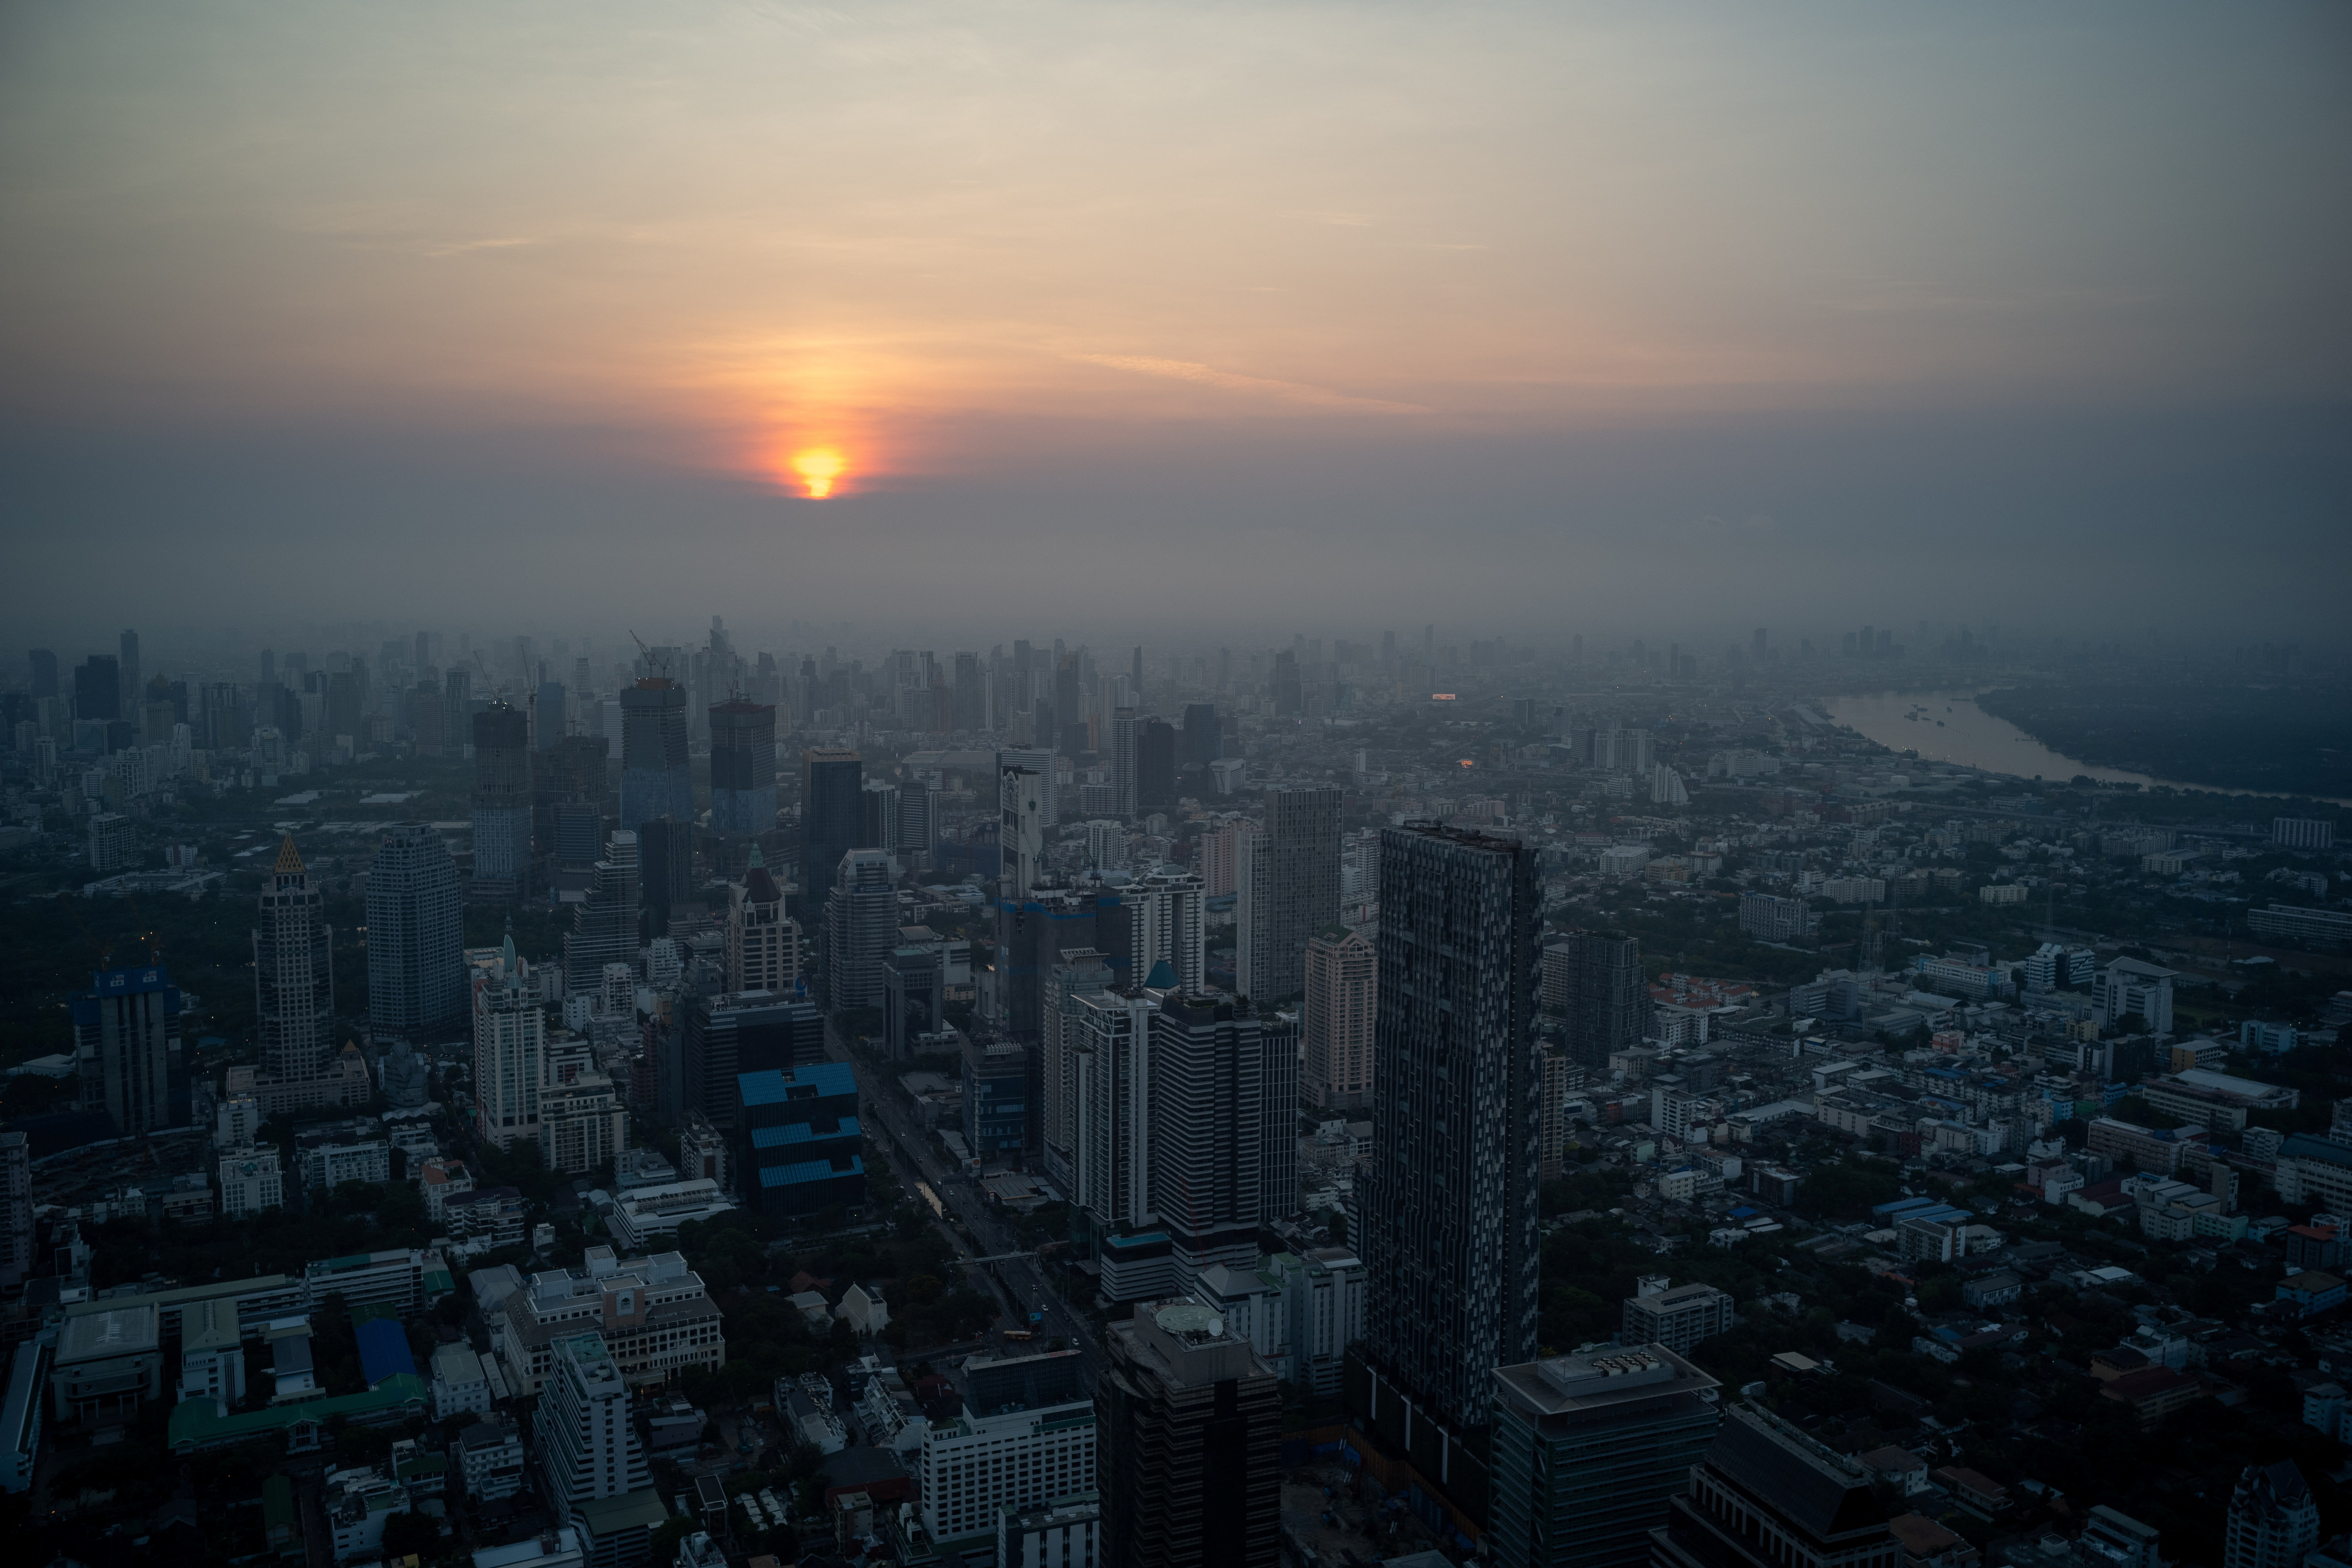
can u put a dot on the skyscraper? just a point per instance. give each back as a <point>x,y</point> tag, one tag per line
<point>604,924</point>
<point>1165,908</point>
<point>98,688</point>
<point>1155,767</point>
<point>127,1047</point>
<point>1189,1423</point>
<point>1589,1452</point>
<point>501,804</point>
<point>1206,1084</point>
<point>1342,998</point>
<point>568,796</point>
<point>664,867</point>
<point>1605,1000</point>
<point>764,948</point>
<point>416,936</point>
<point>294,990</point>
<point>742,766</point>
<point>1123,762</point>
<point>1022,793</point>
<point>15,1210</point>
<point>1202,739</point>
<point>1448,1207</point>
<point>1287,883</point>
<point>861,925</point>
<point>589,1453</point>
<point>132,685</point>
<point>509,1051</point>
<point>1767,1496</point>
<point>547,716</point>
<point>832,785</point>
<point>655,778</point>
<point>44,665</point>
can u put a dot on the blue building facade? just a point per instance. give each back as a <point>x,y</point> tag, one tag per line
<point>798,1141</point>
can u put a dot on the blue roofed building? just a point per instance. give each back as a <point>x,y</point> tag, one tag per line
<point>383,1351</point>
<point>798,1141</point>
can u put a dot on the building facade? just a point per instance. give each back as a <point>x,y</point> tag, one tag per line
<point>127,1052</point>
<point>656,780</point>
<point>1287,889</point>
<point>1342,996</point>
<point>294,992</point>
<point>1191,1424</point>
<point>417,983</point>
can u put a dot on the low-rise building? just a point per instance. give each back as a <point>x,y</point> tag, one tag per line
<point>648,1215</point>
<point>358,1504</point>
<point>489,1459</point>
<point>1675,1315</point>
<point>1064,1532</point>
<point>251,1181</point>
<point>654,1314</point>
<point>459,1382</point>
<point>1026,1436</point>
<point>439,1179</point>
<point>406,1280</point>
<point>2312,1292</point>
<point>107,1362</point>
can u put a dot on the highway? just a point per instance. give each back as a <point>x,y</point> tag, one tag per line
<point>1011,1275</point>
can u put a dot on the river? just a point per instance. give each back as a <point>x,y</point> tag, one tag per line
<point>1972,738</point>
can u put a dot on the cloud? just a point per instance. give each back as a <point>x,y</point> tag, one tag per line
<point>1256,386</point>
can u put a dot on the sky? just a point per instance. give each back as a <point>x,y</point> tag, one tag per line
<point>1534,317</point>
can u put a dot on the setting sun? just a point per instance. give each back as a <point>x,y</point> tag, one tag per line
<point>818,467</point>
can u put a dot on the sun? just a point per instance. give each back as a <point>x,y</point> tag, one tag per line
<point>818,467</point>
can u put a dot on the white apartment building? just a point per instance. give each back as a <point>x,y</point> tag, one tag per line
<point>509,1050</point>
<point>491,1458</point>
<point>651,1314</point>
<point>1299,1313</point>
<point>1675,1315</point>
<point>460,1383</point>
<point>587,1446</point>
<point>251,1180</point>
<point>326,1166</point>
<point>441,1179</point>
<point>581,1124</point>
<point>1038,1447</point>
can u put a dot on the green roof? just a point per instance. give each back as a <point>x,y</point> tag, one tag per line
<point>198,1424</point>
<point>606,1516</point>
<point>278,1501</point>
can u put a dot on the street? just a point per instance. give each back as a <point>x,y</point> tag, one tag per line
<point>1016,1281</point>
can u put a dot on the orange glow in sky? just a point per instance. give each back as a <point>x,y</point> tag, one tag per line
<point>818,467</point>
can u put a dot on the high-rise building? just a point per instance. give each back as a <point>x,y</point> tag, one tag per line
<point>1155,766</point>
<point>2129,988</point>
<point>1190,1443</point>
<point>728,1036</point>
<point>1124,759</point>
<point>98,688</point>
<point>502,801</point>
<point>1202,742</point>
<point>604,924</point>
<point>1765,1495</point>
<point>590,1457</point>
<point>547,725</point>
<point>1588,1453</point>
<point>742,766</point>
<point>1220,856</point>
<point>1288,702</point>
<point>1205,1125</point>
<point>1288,887</point>
<point>1027,1438</point>
<point>1165,907</point>
<point>416,937</point>
<point>1604,997</point>
<point>797,1138</point>
<point>1023,794</point>
<point>861,925</point>
<point>654,777</point>
<point>132,685</point>
<point>2273,1517</point>
<point>1342,999</point>
<point>294,991</point>
<point>1448,1207</point>
<point>127,1049</point>
<point>582,1123</point>
<point>43,673</point>
<point>15,1210</point>
<point>510,1050</point>
<point>568,798</point>
<point>1076,971</point>
<point>664,866</point>
<point>832,782</point>
<point>763,946</point>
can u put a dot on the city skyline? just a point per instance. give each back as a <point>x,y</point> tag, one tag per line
<point>1482,313</point>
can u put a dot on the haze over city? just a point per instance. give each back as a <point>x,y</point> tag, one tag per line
<point>1521,314</point>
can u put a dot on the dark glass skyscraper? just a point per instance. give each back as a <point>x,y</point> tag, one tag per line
<point>1201,735</point>
<point>1289,890</point>
<point>1448,1207</point>
<point>1606,1001</point>
<point>98,688</point>
<point>742,766</point>
<point>655,779</point>
<point>1189,1424</point>
<point>415,934</point>
<point>1155,766</point>
<point>832,782</point>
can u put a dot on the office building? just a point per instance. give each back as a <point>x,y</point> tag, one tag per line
<point>728,1036</point>
<point>416,937</point>
<point>547,723</point>
<point>252,1179</point>
<point>1024,795</point>
<point>604,924</point>
<point>128,1052</point>
<point>994,1074</point>
<point>655,778</point>
<point>763,946</point>
<point>582,1123</point>
<point>1190,1445</point>
<point>1166,914</point>
<point>1675,1315</point>
<point>1024,1436</point>
<point>510,1050</point>
<point>2128,988</point>
<point>742,766</point>
<point>799,1146</point>
<point>1765,1495</point>
<point>131,685</point>
<point>1202,742</point>
<point>1066,1532</point>
<point>654,1313</point>
<point>43,673</point>
<point>568,798</point>
<point>914,996</point>
<point>502,801</point>
<point>1447,1207</point>
<point>1206,1126</point>
<point>1604,996</point>
<point>664,867</point>
<point>2273,1518</point>
<point>98,688</point>
<point>294,992</point>
<point>1287,889</point>
<point>832,782</point>
<point>1124,740</point>
<point>16,1209</point>
<point>1341,998</point>
<point>590,1458</point>
<point>1155,767</point>
<point>861,925</point>
<point>1589,1452</point>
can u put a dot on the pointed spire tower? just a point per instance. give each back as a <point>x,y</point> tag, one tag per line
<point>294,992</point>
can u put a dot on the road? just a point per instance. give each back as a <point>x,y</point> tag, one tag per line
<point>1018,1283</point>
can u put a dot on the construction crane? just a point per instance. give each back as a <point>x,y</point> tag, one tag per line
<point>498,687</point>
<point>653,665</point>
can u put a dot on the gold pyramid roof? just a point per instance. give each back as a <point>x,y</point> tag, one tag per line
<point>289,861</point>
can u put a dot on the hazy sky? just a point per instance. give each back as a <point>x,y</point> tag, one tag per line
<point>1321,314</point>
